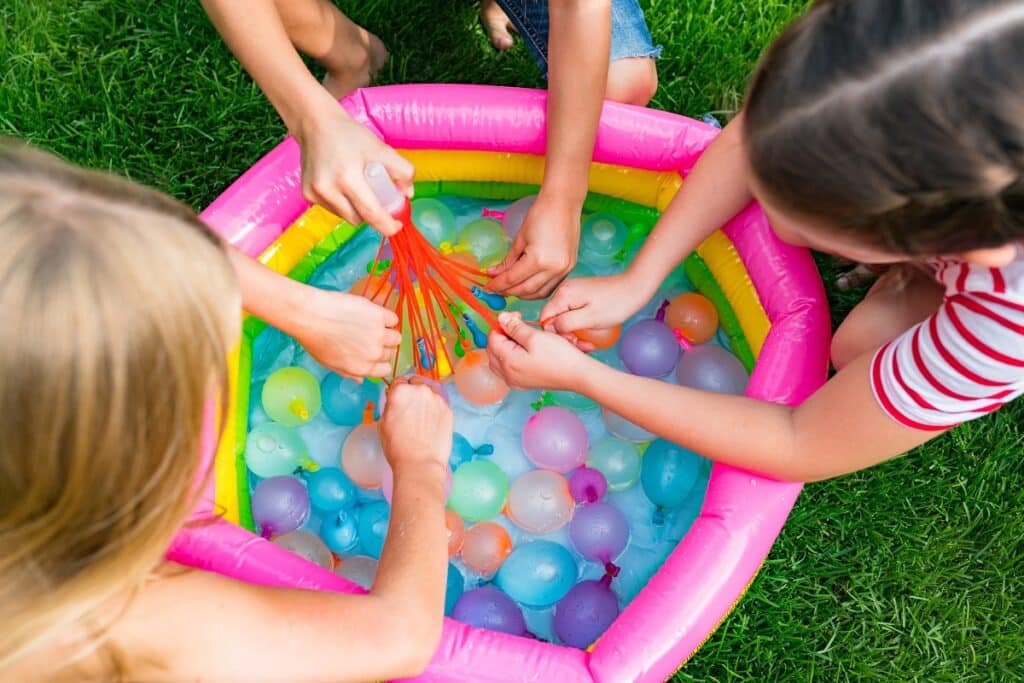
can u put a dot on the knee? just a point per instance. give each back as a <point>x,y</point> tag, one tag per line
<point>632,81</point>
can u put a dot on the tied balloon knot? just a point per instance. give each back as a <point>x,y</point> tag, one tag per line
<point>611,570</point>
<point>368,413</point>
<point>660,315</point>
<point>683,341</point>
<point>546,399</point>
<point>493,213</point>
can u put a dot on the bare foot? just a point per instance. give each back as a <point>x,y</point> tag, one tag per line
<point>859,276</point>
<point>340,82</point>
<point>496,24</point>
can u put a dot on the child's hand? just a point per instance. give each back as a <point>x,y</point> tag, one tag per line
<point>348,334</point>
<point>531,359</point>
<point>335,151</point>
<point>416,426</point>
<point>593,302</point>
<point>543,252</point>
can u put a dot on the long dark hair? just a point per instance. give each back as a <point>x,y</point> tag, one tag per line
<point>898,121</point>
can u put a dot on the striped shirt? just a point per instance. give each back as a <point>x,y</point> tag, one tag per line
<point>967,359</point>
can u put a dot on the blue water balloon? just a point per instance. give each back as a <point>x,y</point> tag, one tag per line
<point>537,574</point>
<point>340,531</point>
<point>373,526</point>
<point>345,401</point>
<point>668,473</point>
<point>330,489</point>
<point>453,588</point>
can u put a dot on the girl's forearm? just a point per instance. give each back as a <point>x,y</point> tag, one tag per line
<point>256,35</point>
<point>713,192</point>
<point>266,294</point>
<point>577,75</point>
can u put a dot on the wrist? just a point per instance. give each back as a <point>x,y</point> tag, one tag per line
<point>430,473</point>
<point>318,112</point>
<point>563,190</point>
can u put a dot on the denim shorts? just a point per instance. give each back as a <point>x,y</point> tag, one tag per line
<point>630,36</point>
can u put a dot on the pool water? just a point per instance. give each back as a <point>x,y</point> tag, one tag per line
<point>653,532</point>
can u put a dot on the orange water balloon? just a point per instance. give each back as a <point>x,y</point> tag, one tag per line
<point>601,337</point>
<point>694,315</point>
<point>485,547</point>
<point>475,381</point>
<point>456,529</point>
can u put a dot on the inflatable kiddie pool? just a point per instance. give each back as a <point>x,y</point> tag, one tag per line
<point>769,297</point>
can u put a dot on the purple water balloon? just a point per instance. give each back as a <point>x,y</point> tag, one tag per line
<point>488,607</point>
<point>587,485</point>
<point>279,505</point>
<point>712,368</point>
<point>555,439</point>
<point>585,612</point>
<point>649,348</point>
<point>598,531</point>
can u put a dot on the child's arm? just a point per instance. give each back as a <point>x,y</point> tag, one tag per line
<point>215,629</point>
<point>335,148</point>
<point>349,334</point>
<point>714,191</point>
<point>839,429</point>
<point>544,251</point>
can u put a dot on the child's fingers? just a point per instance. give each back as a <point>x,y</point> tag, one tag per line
<point>400,169</point>
<point>368,206</point>
<point>514,270</point>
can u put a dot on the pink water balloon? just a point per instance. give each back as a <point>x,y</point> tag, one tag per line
<point>362,456</point>
<point>555,439</point>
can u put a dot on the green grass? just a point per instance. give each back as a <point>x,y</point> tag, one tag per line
<point>911,571</point>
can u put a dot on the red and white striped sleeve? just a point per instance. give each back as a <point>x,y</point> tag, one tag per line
<point>965,361</point>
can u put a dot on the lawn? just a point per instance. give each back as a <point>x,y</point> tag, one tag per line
<point>911,571</point>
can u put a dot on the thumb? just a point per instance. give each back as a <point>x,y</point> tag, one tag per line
<point>570,321</point>
<point>400,170</point>
<point>515,329</point>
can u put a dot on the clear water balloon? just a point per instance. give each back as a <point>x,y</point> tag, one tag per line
<point>486,239</point>
<point>555,439</point>
<point>618,461</point>
<point>515,214</point>
<point>291,396</point>
<point>434,219</point>
<point>624,429</point>
<point>279,505</point>
<point>602,236</point>
<point>359,569</point>
<point>362,456</point>
<point>307,546</point>
<point>485,547</point>
<point>539,502</point>
<point>272,450</point>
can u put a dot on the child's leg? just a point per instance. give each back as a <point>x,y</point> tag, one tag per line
<point>632,77</point>
<point>350,53</point>
<point>900,299</point>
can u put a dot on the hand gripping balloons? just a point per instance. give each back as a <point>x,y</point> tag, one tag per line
<point>539,502</point>
<point>330,490</point>
<point>279,505</point>
<point>479,490</point>
<point>555,439</point>
<point>307,546</point>
<point>668,473</point>
<point>599,532</point>
<point>585,613</point>
<point>272,450</point>
<point>488,607</point>
<point>344,401</point>
<point>475,381</point>
<point>485,547</point>
<point>362,456</point>
<point>649,349</point>
<point>617,460</point>
<point>538,574</point>
<point>712,368</point>
<point>291,396</point>
<point>694,316</point>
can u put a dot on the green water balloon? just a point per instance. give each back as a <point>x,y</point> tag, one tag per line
<point>486,240</point>
<point>291,396</point>
<point>479,490</point>
<point>617,460</point>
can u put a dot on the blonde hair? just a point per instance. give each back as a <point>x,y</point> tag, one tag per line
<point>116,305</point>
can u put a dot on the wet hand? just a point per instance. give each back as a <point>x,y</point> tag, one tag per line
<point>527,358</point>
<point>417,424</point>
<point>592,302</point>
<point>543,252</point>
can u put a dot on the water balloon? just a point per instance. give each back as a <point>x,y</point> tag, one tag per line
<point>694,315</point>
<point>487,607</point>
<point>479,490</point>
<point>434,219</point>
<point>599,532</point>
<point>649,349</point>
<point>475,381</point>
<point>272,450</point>
<point>362,456</point>
<point>669,472</point>
<point>373,526</point>
<point>340,531</point>
<point>486,240</point>
<point>454,585</point>
<point>485,547</point>
<point>539,502</point>
<point>307,546</point>
<point>537,574</point>
<point>279,505</point>
<point>618,460</point>
<point>291,396</point>
<point>377,289</point>
<point>359,569</point>
<point>585,613</point>
<point>587,485</point>
<point>624,429</point>
<point>602,236</point>
<point>712,368</point>
<point>345,401</point>
<point>601,337</point>
<point>555,439</point>
<point>515,214</point>
<point>330,490</point>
